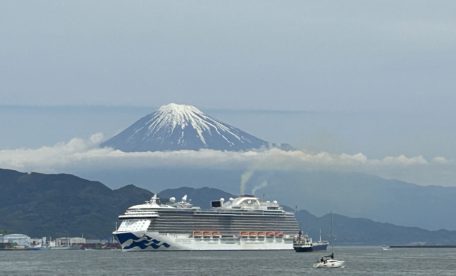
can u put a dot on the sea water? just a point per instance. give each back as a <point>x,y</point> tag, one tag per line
<point>358,261</point>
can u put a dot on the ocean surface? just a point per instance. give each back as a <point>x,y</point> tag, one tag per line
<point>359,261</point>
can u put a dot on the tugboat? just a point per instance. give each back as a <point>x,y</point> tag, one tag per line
<point>304,243</point>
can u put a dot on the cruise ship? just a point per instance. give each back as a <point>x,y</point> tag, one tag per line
<point>242,223</point>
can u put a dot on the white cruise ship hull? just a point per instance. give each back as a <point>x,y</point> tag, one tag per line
<point>154,241</point>
<point>243,223</point>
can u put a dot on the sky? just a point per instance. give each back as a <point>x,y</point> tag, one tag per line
<point>292,55</point>
<point>374,78</point>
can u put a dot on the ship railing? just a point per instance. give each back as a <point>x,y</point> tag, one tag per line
<point>126,216</point>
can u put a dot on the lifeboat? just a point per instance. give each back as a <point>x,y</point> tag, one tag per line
<point>216,234</point>
<point>261,234</point>
<point>244,234</point>
<point>207,234</point>
<point>253,234</point>
<point>270,234</point>
<point>197,234</point>
<point>278,234</point>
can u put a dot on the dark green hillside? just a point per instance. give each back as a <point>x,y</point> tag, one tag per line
<point>61,204</point>
<point>65,205</point>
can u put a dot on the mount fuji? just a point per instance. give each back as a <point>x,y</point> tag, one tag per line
<point>182,127</point>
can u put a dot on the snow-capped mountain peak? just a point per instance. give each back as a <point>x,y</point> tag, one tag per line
<point>178,115</point>
<point>176,126</point>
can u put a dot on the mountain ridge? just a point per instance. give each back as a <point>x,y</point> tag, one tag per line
<point>352,194</point>
<point>61,204</point>
<point>66,205</point>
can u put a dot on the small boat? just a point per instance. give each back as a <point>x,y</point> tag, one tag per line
<point>329,262</point>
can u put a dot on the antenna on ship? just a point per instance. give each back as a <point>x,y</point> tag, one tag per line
<point>332,235</point>
<point>154,199</point>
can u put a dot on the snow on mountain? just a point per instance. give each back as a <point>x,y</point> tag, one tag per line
<point>182,127</point>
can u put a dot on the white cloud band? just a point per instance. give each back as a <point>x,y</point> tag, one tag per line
<point>80,154</point>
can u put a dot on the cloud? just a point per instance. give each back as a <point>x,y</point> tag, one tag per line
<point>403,160</point>
<point>85,154</point>
<point>440,160</point>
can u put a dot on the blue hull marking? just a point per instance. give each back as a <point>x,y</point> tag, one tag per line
<point>143,242</point>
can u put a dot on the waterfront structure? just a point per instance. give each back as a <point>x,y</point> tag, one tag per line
<point>243,223</point>
<point>69,241</point>
<point>16,241</point>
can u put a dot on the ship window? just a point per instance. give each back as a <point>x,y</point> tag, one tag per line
<point>216,203</point>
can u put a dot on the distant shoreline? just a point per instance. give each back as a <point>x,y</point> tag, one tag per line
<point>422,246</point>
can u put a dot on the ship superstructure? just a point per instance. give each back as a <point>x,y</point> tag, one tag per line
<point>242,223</point>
